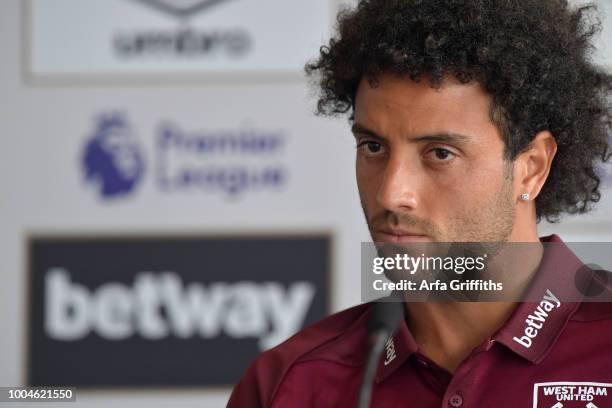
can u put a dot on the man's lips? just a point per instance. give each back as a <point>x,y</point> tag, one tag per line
<point>399,236</point>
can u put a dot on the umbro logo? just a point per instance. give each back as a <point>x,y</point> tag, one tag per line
<point>182,8</point>
<point>390,353</point>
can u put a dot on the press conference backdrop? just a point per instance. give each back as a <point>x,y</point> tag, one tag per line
<point>171,206</point>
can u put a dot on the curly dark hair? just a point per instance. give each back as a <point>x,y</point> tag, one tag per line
<point>534,58</point>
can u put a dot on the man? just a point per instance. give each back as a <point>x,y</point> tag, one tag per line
<point>473,120</point>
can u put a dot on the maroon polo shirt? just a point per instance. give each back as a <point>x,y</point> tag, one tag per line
<point>567,363</point>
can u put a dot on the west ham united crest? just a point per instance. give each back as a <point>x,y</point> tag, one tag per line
<point>568,394</point>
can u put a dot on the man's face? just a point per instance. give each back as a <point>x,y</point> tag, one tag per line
<point>430,164</point>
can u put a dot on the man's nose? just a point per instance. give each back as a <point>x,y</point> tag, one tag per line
<point>398,191</point>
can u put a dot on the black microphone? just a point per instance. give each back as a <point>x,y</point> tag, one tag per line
<point>383,321</point>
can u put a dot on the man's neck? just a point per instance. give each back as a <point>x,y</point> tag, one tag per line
<point>447,332</point>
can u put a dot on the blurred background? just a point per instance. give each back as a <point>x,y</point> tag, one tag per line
<point>170,204</point>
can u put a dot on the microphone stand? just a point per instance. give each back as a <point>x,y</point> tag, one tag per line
<point>379,338</point>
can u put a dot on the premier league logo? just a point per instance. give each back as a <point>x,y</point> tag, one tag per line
<point>112,159</point>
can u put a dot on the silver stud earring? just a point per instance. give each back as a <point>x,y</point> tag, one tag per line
<point>525,196</point>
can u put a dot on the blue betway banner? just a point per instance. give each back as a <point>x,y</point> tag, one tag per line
<point>168,310</point>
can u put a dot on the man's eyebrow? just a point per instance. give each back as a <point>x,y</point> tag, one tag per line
<point>442,137</point>
<point>362,130</point>
<point>446,137</point>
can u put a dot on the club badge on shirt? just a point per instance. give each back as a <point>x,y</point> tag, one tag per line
<point>571,394</point>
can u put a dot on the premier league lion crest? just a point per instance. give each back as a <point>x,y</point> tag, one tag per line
<point>112,159</point>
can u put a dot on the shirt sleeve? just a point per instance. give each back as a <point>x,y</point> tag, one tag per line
<point>247,392</point>
<point>257,386</point>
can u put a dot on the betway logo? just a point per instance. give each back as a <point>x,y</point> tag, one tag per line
<point>159,305</point>
<point>536,320</point>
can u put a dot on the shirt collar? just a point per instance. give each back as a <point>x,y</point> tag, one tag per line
<point>398,348</point>
<point>556,273</point>
<point>555,276</point>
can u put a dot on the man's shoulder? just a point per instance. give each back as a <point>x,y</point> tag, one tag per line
<point>318,335</point>
<point>593,311</point>
<point>317,340</point>
<point>597,302</point>
<point>327,329</point>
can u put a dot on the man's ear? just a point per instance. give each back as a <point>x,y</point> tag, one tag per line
<point>532,166</point>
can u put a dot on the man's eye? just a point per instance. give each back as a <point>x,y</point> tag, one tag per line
<point>370,147</point>
<point>442,154</point>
